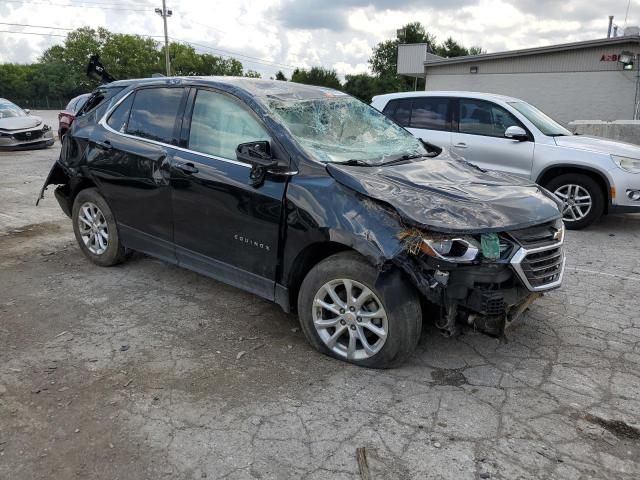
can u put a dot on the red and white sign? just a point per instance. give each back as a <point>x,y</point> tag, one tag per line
<point>610,58</point>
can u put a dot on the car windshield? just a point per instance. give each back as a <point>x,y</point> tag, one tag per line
<point>340,129</point>
<point>8,110</point>
<point>547,125</point>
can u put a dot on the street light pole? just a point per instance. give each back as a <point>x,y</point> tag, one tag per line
<point>164,13</point>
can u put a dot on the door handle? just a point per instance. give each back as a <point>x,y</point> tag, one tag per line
<point>105,145</point>
<point>460,145</point>
<point>187,167</point>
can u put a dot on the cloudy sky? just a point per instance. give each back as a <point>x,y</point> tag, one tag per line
<point>268,35</point>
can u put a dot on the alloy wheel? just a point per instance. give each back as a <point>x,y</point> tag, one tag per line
<point>350,319</point>
<point>576,202</point>
<point>93,228</point>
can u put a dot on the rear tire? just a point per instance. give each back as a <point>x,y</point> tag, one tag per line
<point>96,230</point>
<point>389,309</point>
<point>583,199</point>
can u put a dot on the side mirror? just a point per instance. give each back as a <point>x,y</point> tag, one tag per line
<point>27,111</point>
<point>258,155</point>
<point>516,133</point>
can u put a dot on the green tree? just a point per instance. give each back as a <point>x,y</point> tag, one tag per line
<point>214,65</point>
<point>319,76</point>
<point>384,58</point>
<point>252,74</point>
<point>281,76</point>
<point>365,86</point>
<point>131,56</point>
<point>450,48</point>
<point>184,60</point>
<point>74,53</point>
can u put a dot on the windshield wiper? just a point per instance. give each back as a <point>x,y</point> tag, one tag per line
<point>401,159</point>
<point>354,163</point>
<point>360,163</point>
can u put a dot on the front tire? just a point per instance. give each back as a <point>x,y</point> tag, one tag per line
<point>95,229</point>
<point>583,199</point>
<point>345,314</point>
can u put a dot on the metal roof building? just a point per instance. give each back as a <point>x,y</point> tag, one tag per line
<point>588,80</point>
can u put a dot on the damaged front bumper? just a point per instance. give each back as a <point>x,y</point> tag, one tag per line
<point>488,294</point>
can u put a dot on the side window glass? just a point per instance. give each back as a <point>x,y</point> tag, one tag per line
<point>219,124</point>
<point>503,119</point>
<point>484,118</point>
<point>402,113</point>
<point>154,113</point>
<point>119,117</point>
<point>430,113</point>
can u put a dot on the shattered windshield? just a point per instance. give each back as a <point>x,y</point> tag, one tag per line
<point>339,128</point>
<point>9,110</point>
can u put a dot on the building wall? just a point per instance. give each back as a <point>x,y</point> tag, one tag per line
<point>575,60</point>
<point>599,95</point>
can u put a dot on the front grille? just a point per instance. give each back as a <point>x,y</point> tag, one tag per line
<point>27,136</point>
<point>543,268</point>
<point>538,236</point>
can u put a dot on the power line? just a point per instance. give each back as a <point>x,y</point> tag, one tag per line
<point>66,5</point>
<point>34,33</point>
<point>224,53</point>
<point>626,14</point>
<point>236,54</point>
<point>35,26</point>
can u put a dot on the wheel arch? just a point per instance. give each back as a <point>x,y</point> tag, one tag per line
<point>305,260</point>
<point>560,169</point>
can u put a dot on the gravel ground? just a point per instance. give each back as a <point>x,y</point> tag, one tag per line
<point>138,372</point>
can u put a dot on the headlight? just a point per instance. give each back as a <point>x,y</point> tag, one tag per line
<point>458,250</point>
<point>46,128</point>
<point>631,165</point>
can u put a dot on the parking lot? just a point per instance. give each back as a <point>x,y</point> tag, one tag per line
<point>147,370</point>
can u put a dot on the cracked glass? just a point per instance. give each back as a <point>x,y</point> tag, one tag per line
<point>339,128</point>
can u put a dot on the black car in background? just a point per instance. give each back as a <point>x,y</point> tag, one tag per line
<point>309,198</point>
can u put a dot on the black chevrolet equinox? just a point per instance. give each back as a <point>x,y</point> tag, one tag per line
<point>312,199</point>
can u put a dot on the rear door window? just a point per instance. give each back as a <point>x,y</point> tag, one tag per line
<point>430,113</point>
<point>479,117</point>
<point>154,113</point>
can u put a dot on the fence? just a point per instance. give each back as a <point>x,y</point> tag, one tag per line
<point>44,103</point>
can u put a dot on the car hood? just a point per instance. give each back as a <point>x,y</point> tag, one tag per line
<point>452,196</point>
<point>598,144</point>
<point>20,123</point>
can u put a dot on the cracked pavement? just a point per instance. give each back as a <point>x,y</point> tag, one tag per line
<point>132,372</point>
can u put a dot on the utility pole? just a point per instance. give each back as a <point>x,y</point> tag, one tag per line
<point>164,13</point>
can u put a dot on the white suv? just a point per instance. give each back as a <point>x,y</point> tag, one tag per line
<point>590,175</point>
